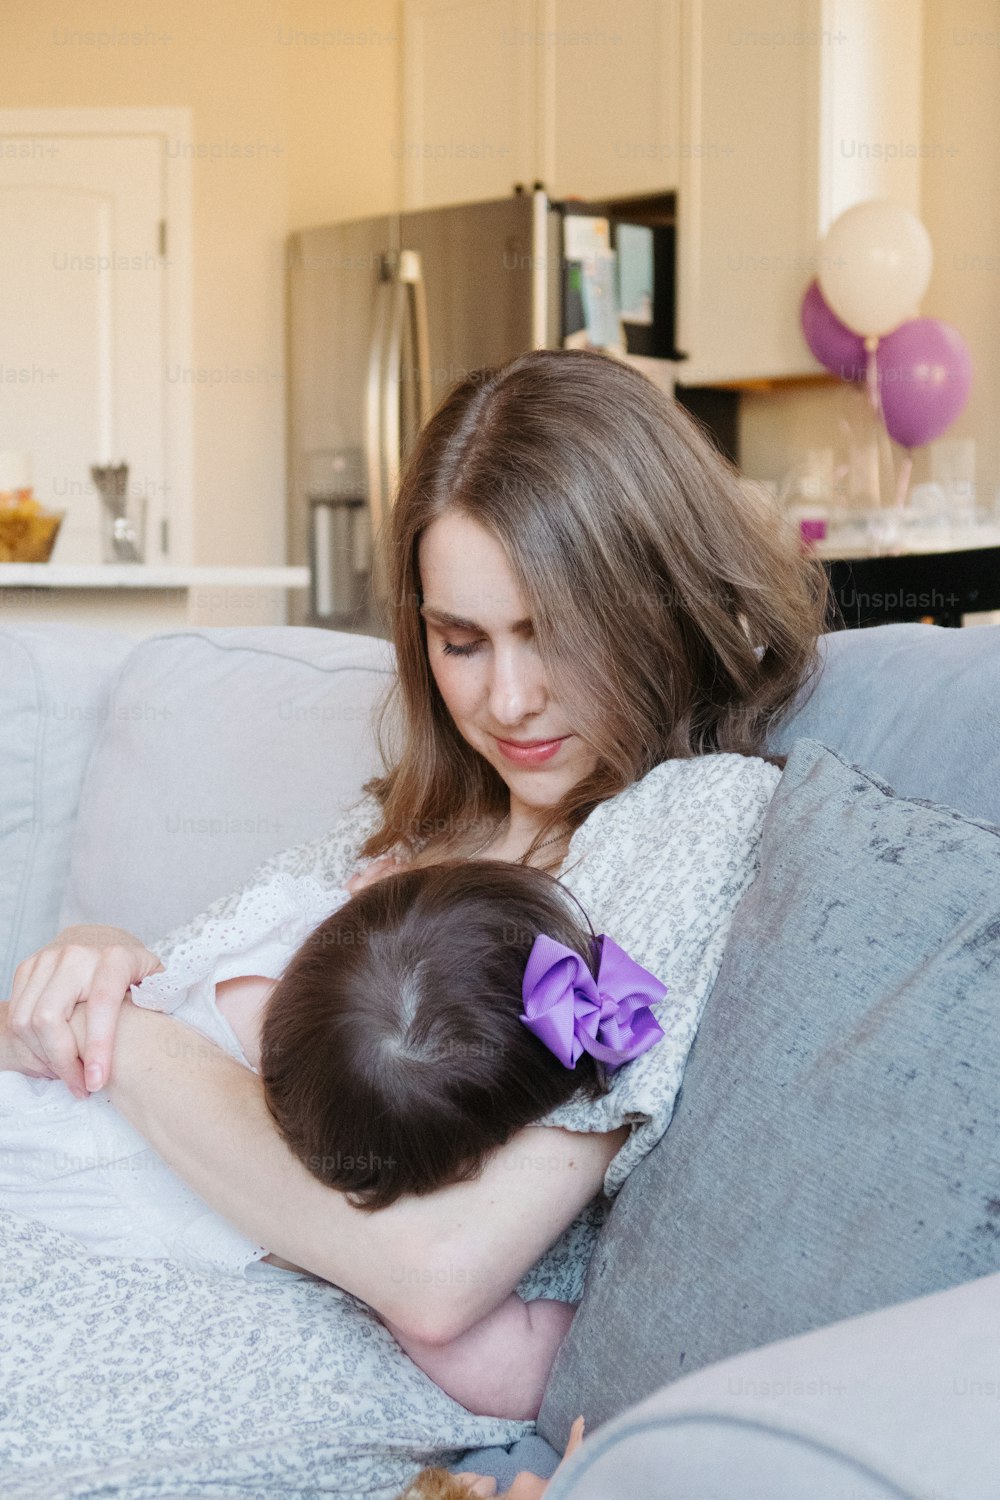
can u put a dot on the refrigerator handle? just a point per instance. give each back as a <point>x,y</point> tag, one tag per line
<point>411,271</point>
<point>374,401</point>
<point>400,287</point>
<point>392,372</point>
<point>408,294</point>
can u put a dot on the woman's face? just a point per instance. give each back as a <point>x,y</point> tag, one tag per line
<point>485,662</point>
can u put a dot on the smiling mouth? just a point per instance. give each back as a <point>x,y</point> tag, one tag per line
<point>531,744</point>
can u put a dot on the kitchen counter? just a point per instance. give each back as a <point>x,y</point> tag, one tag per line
<point>144,599</point>
<point>849,542</point>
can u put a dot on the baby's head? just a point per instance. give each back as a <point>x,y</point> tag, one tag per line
<point>393,1057</point>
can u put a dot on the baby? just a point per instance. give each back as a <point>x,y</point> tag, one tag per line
<point>400,1039</point>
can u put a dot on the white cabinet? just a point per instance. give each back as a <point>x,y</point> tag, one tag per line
<point>609,97</point>
<point>582,95</point>
<point>768,117</point>
<point>469,108</point>
<point>793,109</point>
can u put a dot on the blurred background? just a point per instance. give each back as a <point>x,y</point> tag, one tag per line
<point>160,160</point>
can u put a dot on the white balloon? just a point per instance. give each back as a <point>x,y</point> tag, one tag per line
<point>875,265</point>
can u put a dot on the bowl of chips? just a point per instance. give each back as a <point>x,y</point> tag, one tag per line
<point>27,530</point>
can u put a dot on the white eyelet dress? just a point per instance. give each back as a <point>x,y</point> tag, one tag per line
<point>78,1166</point>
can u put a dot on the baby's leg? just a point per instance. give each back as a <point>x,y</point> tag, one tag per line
<point>500,1367</point>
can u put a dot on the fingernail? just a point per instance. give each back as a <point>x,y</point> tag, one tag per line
<point>92,1075</point>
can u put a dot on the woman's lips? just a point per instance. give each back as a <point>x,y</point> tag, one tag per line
<point>529,752</point>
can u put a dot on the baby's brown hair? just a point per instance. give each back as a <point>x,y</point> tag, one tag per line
<point>392,1054</point>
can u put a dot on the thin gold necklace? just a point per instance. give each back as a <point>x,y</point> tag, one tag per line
<point>506,819</point>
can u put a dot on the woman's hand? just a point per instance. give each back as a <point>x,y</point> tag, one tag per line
<point>15,1057</point>
<point>95,965</point>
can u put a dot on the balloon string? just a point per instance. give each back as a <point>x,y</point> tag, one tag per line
<point>871,374</point>
<point>903,478</point>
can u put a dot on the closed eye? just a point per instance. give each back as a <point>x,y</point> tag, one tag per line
<point>450,650</point>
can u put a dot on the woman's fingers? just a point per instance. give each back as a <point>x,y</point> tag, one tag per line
<point>108,989</point>
<point>92,964</point>
<point>45,1030</point>
<point>30,978</point>
<point>46,991</point>
<point>63,1057</point>
<point>35,1008</point>
<point>15,1055</point>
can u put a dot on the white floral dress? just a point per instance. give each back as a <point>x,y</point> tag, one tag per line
<point>79,1167</point>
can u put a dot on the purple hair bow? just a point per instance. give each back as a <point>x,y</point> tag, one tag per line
<point>572,1012</point>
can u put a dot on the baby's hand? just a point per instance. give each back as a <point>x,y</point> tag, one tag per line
<point>389,864</point>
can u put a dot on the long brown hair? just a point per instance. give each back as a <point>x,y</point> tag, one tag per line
<point>675,615</point>
<point>392,1054</point>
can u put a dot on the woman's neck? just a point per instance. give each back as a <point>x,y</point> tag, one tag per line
<point>512,843</point>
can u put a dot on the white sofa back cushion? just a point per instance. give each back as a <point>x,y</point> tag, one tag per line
<point>54,686</point>
<point>221,747</point>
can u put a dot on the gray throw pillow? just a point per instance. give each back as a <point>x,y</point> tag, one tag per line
<point>836,1143</point>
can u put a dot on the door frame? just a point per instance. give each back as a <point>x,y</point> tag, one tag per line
<point>177,396</point>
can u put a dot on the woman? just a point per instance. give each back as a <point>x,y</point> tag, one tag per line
<point>596,627</point>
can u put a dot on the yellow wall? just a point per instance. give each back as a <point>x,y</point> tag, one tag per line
<point>344,107</point>
<point>313,86</point>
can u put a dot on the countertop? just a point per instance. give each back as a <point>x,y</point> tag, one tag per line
<point>153,576</point>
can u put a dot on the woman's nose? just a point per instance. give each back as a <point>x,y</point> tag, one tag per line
<point>517,688</point>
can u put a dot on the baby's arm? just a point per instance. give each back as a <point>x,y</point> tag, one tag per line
<point>242,1001</point>
<point>500,1367</point>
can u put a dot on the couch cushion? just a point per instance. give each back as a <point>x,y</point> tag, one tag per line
<point>897,1405</point>
<point>836,1144</point>
<point>54,687</point>
<point>220,748</point>
<point>918,705</point>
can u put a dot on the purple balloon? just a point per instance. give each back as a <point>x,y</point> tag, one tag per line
<point>831,341</point>
<point>924,376</point>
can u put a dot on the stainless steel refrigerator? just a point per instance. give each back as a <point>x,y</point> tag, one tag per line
<point>386,314</point>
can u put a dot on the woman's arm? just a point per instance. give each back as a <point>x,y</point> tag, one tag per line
<point>432,1266</point>
<point>501,1366</point>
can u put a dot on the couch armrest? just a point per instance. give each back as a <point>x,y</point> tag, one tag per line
<point>897,1403</point>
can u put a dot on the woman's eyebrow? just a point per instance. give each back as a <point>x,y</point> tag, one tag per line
<point>442,617</point>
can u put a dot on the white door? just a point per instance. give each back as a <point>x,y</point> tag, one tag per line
<point>82,323</point>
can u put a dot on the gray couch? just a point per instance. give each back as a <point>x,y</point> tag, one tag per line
<point>795,1293</point>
